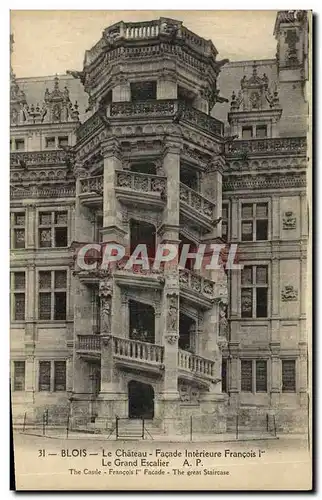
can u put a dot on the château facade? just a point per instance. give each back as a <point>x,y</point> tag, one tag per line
<point>141,146</point>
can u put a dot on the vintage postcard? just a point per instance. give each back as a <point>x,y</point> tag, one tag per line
<point>160,193</point>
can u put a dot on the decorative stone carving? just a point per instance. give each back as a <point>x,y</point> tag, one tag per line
<point>189,394</point>
<point>264,181</point>
<point>289,293</point>
<point>105,294</point>
<point>172,339</point>
<point>172,317</point>
<point>254,94</point>
<point>289,220</point>
<point>223,322</point>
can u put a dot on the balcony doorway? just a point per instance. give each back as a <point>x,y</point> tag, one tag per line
<point>142,322</point>
<point>187,331</point>
<point>142,233</point>
<point>189,177</point>
<point>190,263</point>
<point>141,400</point>
<point>144,168</point>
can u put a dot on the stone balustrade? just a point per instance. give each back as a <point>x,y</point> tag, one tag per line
<point>162,107</point>
<point>137,350</point>
<point>197,201</point>
<point>92,185</point>
<point>274,146</point>
<point>197,283</point>
<point>167,108</point>
<point>141,182</point>
<point>90,126</point>
<point>196,364</point>
<point>41,158</point>
<point>89,343</point>
<point>146,269</point>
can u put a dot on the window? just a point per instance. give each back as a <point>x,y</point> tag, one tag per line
<point>18,375</point>
<point>224,222</point>
<point>97,228</point>
<point>142,91</point>
<point>52,295</point>
<point>261,376</point>
<point>20,144</point>
<point>59,376</point>
<point>18,223</point>
<point>247,132</point>
<point>53,229</point>
<point>52,376</point>
<point>261,131</point>
<point>19,293</point>
<point>254,291</point>
<point>96,311</point>
<point>44,375</point>
<point>288,375</point>
<point>224,375</point>
<point>63,141</point>
<point>246,376</point>
<point>50,142</point>
<point>253,375</point>
<point>254,221</point>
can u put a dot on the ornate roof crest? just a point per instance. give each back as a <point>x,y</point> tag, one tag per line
<point>255,94</point>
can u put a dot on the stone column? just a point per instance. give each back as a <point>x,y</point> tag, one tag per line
<point>167,87</point>
<point>111,212</point>
<point>235,219</point>
<point>121,92</point>
<point>83,227</point>
<point>168,400</point>
<point>31,226</point>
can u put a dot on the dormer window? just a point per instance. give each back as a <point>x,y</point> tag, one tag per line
<point>143,91</point>
<point>50,142</point>
<point>20,144</point>
<point>261,131</point>
<point>63,141</point>
<point>247,132</point>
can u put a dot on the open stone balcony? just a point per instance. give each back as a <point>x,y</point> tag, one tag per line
<point>166,108</point>
<point>151,111</point>
<point>197,288</point>
<point>142,189</point>
<point>129,353</point>
<point>196,208</point>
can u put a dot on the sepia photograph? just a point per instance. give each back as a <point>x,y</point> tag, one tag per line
<point>160,249</point>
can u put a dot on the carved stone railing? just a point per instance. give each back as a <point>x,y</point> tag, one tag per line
<point>53,191</point>
<point>197,201</point>
<point>167,108</point>
<point>89,343</point>
<point>280,145</point>
<point>41,158</point>
<point>87,128</point>
<point>92,185</point>
<point>202,120</point>
<point>137,350</point>
<point>145,30</point>
<point>197,283</point>
<point>141,182</point>
<point>160,107</point>
<point>146,269</point>
<point>196,364</point>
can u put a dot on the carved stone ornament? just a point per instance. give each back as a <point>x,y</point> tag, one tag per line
<point>289,293</point>
<point>172,339</point>
<point>172,318</point>
<point>105,288</point>
<point>223,322</point>
<point>289,220</point>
